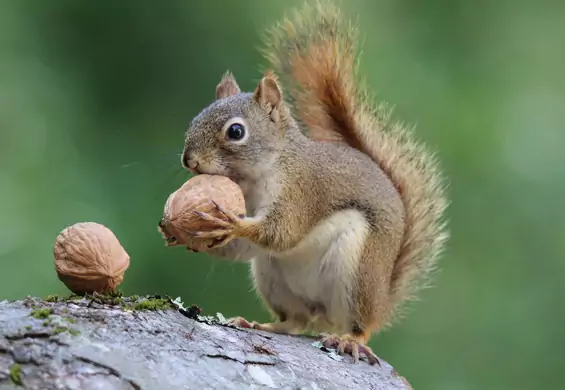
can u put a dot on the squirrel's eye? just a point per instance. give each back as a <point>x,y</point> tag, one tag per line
<point>235,132</point>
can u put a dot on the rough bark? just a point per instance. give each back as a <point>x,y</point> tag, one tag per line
<point>87,344</point>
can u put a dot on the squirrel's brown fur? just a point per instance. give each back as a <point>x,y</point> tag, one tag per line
<point>342,225</point>
<point>315,54</point>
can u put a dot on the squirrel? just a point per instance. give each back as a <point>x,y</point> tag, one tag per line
<point>345,209</point>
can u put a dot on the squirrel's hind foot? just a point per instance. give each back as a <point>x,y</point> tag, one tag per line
<point>241,322</point>
<point>350,345</point>
<point>283,327</point>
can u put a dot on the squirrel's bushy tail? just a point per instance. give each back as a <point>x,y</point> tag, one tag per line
<point>315,55</point>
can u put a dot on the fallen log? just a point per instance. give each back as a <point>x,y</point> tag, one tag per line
<point>149,343</point>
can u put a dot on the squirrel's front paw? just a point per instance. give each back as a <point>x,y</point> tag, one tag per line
<point>234,227</point>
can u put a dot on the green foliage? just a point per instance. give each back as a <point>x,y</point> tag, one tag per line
<point>96,97</point>
<point>41,313</point>
<point>16,374</point>
<point>52,298</point>
<point>153,304</point>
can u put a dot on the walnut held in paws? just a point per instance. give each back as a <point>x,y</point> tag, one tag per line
<point>89,258</point>
<point>199,194</point>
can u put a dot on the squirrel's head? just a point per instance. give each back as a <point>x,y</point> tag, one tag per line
<point>239,134</point>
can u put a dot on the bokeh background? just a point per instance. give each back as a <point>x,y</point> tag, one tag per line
<point>95,98</point>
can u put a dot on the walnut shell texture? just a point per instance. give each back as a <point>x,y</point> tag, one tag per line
<point>89,258</point>
<point>197,194</point>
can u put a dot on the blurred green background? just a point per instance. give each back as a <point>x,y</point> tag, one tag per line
<point>95,98</point>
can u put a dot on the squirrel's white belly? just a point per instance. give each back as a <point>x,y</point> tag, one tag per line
<point>319,271</point>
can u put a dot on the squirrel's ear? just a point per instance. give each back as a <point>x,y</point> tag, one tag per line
<point>268,94</point>
<point>227,87</point>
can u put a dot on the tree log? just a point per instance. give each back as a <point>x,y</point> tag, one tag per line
<point>91,343</point>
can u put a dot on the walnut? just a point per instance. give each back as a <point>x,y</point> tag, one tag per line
<point>197,194</point>
<point>89,258</point>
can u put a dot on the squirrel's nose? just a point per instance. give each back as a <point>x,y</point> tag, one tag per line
<point>188,162</point>
<point>192,164</point>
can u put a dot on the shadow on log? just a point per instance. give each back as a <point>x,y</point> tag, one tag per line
<point>92,344</point>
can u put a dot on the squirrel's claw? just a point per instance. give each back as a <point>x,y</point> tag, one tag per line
<point>221,236</point>
<point>232,217</point>
<point>241,322</point>
<point>208,217</point>
<point>284,327</point>
<point>217,233</point>
<point>235,226</point>
<point>350,345</point>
